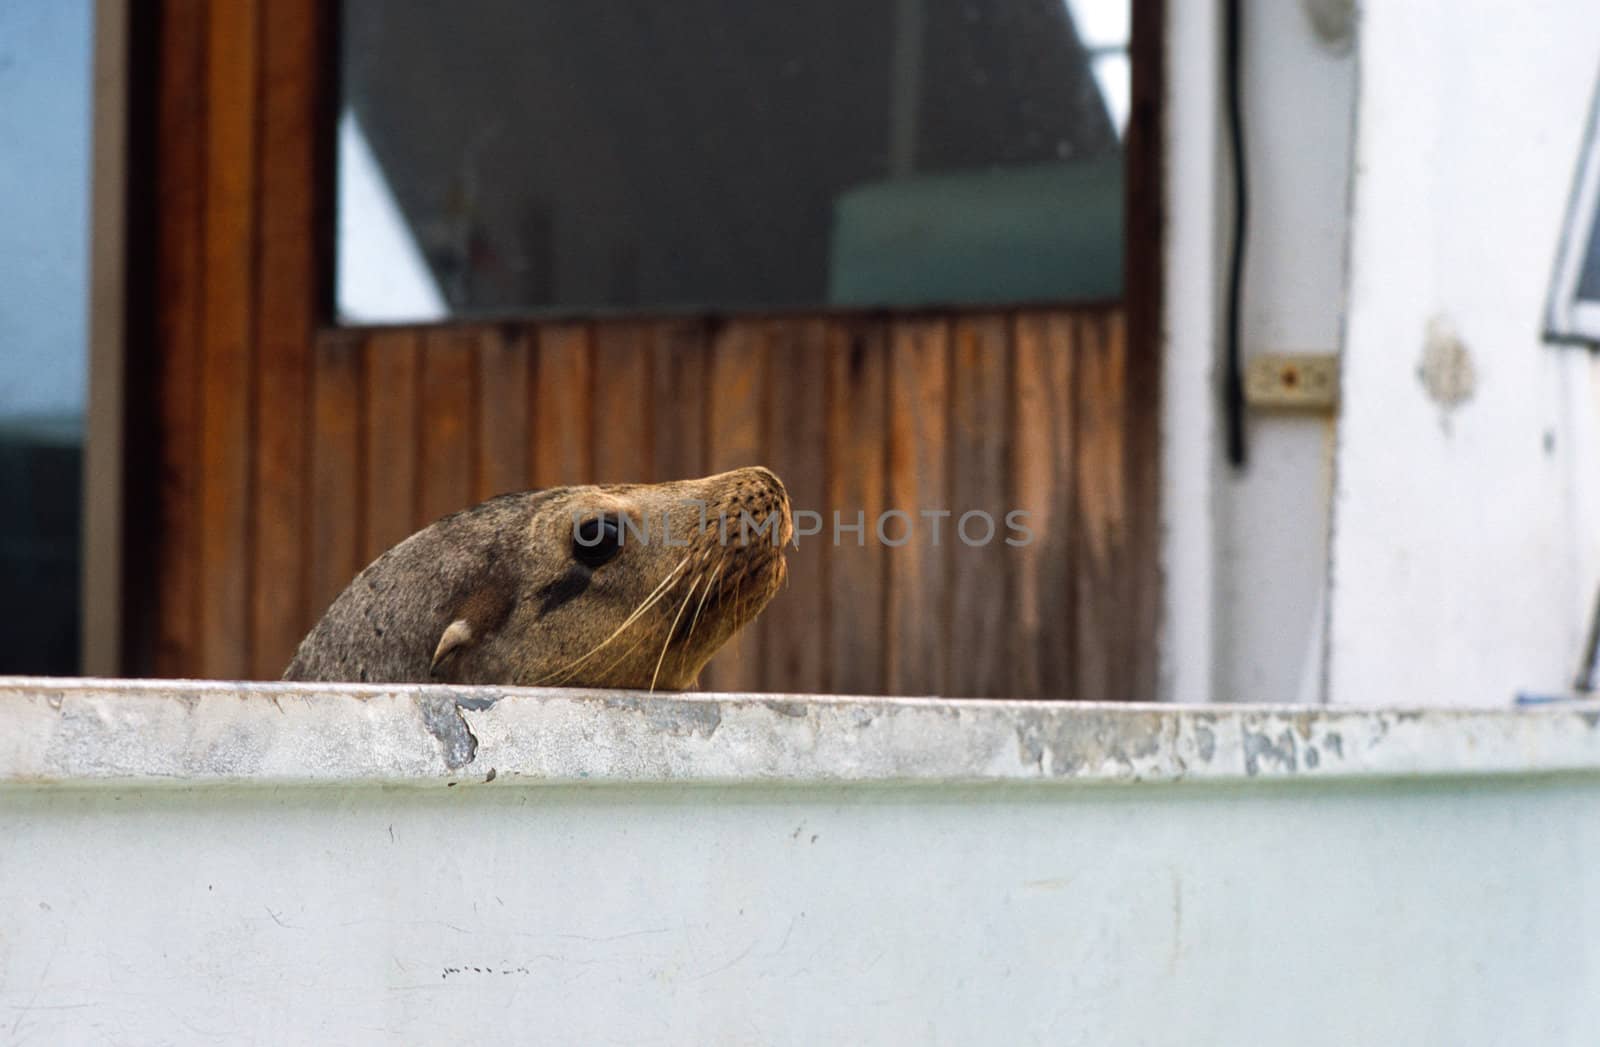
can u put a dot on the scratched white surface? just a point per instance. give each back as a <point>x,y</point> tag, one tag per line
<point>1466,536</point>
<point>1269,912</point>
<point>175,733</point>
<point>246,863</point>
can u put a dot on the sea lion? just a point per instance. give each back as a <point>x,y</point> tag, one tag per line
<point>629,586</point>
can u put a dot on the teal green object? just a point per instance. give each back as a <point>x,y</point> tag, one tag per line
<point>1043,233</point>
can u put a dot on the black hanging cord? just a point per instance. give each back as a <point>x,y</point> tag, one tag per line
<point>1233,376</point>
<point>1589,671</point>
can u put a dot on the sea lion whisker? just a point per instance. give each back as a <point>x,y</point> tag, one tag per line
<point>683,641</point>
<point>619,659</point>
<point>566,671</point>
<point>666,641</point>
<point>566,674</point>
<point>701,605</point>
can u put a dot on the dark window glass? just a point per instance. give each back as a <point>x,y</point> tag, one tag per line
<point>45,63</point>
<point>1572,312</point>
<point>505,155</point>
<point>1589,277</point>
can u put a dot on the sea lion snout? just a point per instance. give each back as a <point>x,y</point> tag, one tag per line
<point>751,522</point>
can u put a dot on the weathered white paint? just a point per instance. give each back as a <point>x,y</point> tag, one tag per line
<point>1189,428</point>
<point>1466,544</point>
<point>1245,553</point>
<point>1299,78</point>
<point>150,733</point>
<point>196,863</point>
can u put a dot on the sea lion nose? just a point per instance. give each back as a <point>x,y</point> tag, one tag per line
<point>772,492</point>
<point>765,477</point>
<point>758,491</point>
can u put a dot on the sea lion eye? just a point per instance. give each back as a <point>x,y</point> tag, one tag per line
<point>596,541</point>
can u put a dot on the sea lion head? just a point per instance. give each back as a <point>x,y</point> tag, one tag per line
<point>637,585</point>
<point>619,585</point>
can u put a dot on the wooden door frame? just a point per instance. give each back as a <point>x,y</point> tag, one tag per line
<point>101,584</point>
<point>223,254</point>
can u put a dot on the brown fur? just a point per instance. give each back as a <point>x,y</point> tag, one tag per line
<point>498,594</point>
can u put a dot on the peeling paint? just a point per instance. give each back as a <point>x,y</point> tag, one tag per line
<point>1446,370</point>
<point>194,733</point>
<point>1097,740</point>
<point>1259,746</point>
<point>1333,23</point>
<point>441,714</point>
<point>678,717</point>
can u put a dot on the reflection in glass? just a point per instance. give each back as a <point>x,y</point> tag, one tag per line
<point>503,155</point>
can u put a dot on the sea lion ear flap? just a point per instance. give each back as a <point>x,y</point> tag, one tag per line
<point>456,635</point>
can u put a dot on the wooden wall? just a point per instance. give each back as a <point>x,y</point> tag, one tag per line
<point>276,455</point>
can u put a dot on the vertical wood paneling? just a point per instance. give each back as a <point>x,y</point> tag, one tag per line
<point>284,323</point>
<point>1044,636</point>
<point>736,428</point>
<point>1102,552</point>
<point>916,654</point>
<point>502,461</point>
<point>624,377</point>
<point>180,232</point>
<point>972,413</point>
<point>562,452</point>
<point>226,379</point>
<point>678,389</point>
<point>796,622</point>
<point>978,625</point>
<point>445,456</point>
<point>1137,614</point>
<point>856,491</point>
<point>336,469</point>
<point>1141,326</point>
<point>392,360</point>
